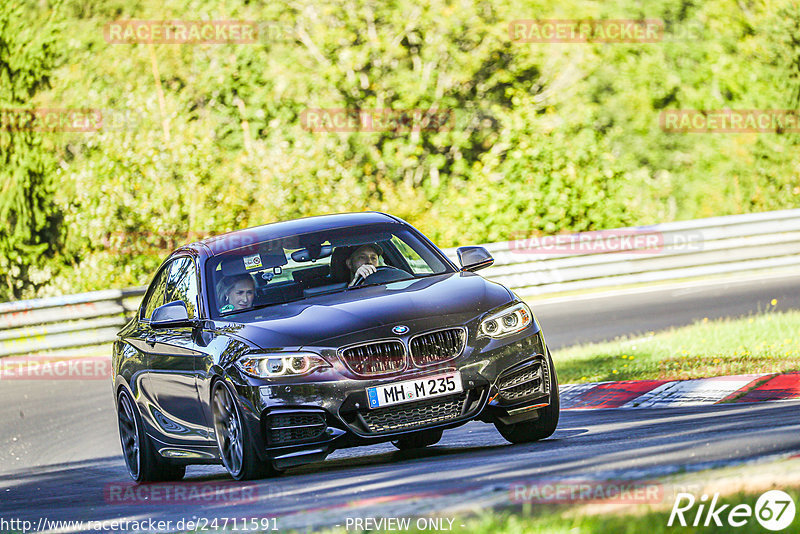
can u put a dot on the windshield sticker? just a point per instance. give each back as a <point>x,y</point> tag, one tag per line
<point>252,262</point>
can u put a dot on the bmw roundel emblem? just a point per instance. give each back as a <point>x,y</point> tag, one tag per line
<point>400,329</point>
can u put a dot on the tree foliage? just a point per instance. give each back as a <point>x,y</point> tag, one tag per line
<point>546,138</point>
<point>29,216</point>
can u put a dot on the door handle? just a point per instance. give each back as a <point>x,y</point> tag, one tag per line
<point>150,340</point>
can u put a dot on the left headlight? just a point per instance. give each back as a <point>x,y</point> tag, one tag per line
<point>507,321</point>
<point>280,364</point>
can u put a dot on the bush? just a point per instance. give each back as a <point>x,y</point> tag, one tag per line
<point>545,138</point>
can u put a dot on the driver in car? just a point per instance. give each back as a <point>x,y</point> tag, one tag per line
<point>363,261</point>
<point>236,292</point>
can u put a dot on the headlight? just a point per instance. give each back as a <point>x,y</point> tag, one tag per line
<point>507,321</point>
<point>281,364</point>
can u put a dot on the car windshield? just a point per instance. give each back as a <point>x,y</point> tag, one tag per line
<point>302,266</point>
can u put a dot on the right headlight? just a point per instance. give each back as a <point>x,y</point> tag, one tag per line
<point>507,321</point>
<point>281,364</point>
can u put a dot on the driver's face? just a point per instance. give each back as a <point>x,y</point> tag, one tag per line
<point>363,256</point>
<point>241,295</point>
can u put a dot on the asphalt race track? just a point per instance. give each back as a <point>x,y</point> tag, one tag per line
<point>60,455</point>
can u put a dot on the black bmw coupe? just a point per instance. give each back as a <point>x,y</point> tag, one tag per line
<point>271,347</point>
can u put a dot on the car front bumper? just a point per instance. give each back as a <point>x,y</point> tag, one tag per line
<point>304,421</point>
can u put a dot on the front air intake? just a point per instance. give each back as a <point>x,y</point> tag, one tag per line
<point>437,347</point>
<point>375,359</point>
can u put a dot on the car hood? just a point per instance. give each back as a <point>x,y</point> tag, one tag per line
<point>370,312</point>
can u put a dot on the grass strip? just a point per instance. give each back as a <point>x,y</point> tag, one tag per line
<point>764,343</point>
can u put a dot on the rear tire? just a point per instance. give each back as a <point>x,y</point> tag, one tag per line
<point>419,440</point>
<point>233,437</point>
<point>141,458</point>
<point>545,425</point>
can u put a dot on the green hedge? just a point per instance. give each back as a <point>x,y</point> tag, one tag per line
<point>545,137</point>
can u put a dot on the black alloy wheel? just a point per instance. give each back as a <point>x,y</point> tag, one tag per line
<point>143,462</point>
<point>233,439</point>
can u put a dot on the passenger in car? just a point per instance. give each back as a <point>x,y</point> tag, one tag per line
<point>364,261</point>
<point>235,292</point>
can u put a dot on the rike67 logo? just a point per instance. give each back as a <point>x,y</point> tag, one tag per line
<point>774,510</point>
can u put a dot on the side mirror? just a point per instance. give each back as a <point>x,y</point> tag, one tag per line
<point>474,258</point>
<point>170,315</point>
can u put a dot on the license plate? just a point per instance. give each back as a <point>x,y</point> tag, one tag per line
<point>414,390</point>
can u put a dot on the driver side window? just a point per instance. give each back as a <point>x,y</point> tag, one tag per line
<point>176,281</point>
<point>155,295</point>
<point>417,264</point>
<point>182,284</point>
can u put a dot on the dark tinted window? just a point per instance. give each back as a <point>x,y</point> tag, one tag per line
<point>299,266</point>
<point>182,284</point>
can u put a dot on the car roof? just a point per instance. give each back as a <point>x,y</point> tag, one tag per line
<point>214,245</point>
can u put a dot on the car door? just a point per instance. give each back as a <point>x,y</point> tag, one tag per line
<point>173,361</point>
<point>142,340</point>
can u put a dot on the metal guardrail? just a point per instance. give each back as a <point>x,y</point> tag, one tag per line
<point>29,326</point>
<point>669,251</point>
<point>528,264</point>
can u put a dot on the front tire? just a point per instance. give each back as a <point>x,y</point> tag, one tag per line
<point>142,460</point>
<point>233,437</point>
<point>545,425</point>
